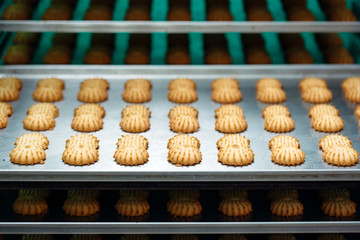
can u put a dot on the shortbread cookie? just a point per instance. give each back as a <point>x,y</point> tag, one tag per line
<point>276,194</point>
<point>136,109</point>
<point>229,109</point>
<point>8,94</point>
<point>132,207</point>
<point>51,82</point>
<point>184,110</point>
<point>287,207</point>
<point>135,124</point>
<point>183,140</point>
<point>288,156</point>
<point>233,140</point>
<point>184,237</point>
<point>133,140</point>
<point>331,236</point>
<point>131,155</point>
<point>182,83</point>
<point>10,82</point>
<point>327,123</point>
<point>224,83</point>
<point>339,207</point>
<point>350,83</point>
<point>334,140</point>
<point>271,95</point>
<point>98,83</point>
<point>353,95</point>
<point>182,95</point>
<point>136,95</point>
<point>268,83</point>
<point>87,123</point>
<point>279,124</point>
<point>92,95</point>
<point>81,207</point>
<point>282,237</point>
<point>341,156</point>
<point>80,155</point>
<point>90,108</point>
<point>184,124</point>
<point>235,207</point>
<point>310,82</point>
<point>184,155</point>
<point>38,140</point>
<point>317,95</point>
<point>356,112</point>
<point>236,156</point>
<point>184,207</point>
<point>44,108</point>
<point>5,109</point>
<point>39,122</point>
<point>231,124</point>
<point>83,139</point>
<point>232,237</point>
<point>3,121</point>
<point>30,205</point>
<point>275,110</point>
<point>281,141</point>
<point>138,83</point>
<point>27,155</point>
<point>226,95</point>
<point>323,109</point>
<point>47,94</point>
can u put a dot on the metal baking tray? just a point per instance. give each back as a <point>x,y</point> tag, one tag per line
<point>158,169</point>
<point>176,27</point>
<point>158,221</point>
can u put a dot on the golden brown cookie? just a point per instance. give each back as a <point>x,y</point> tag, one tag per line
<point>132,207</point>
<point>224,83</point>
<point>327,123</point>
<point>136,109</point>
<point>311,82</point>
<point>317,95</point>
<point>183,140</point>
<point>268,83</point>
<point>287,207</point>
<point>99,83</point>
<point>58,11</point>
<point>81,206</point>
<point>87,123</point>
<point>131,155</point>
<point>10,82</point>
<point>233,140</point>
<point>182,95</point>
<point>83,139</point>
<point>280,141</point>
<point>275,110</point>
<point>39,122</point>
<point>226,95</point>
<point>182,83</point>
<point>136,95</point>
<point>44,108</point>
<point>5,109</point>
<point>80,155</point>
<point>135,124</point>
<point>138,83</point>
<point>341,156</point>
<point>92,95</point>
<point>184,124</point>
<point>235,207</point>
<point>339,207</point>
<point>51,82</point>
<point>90,108</point>
<point>133,140</point>
<point>279,124</point>
<point>38,140</point>
<point>353,95</point>
<point>288,156</point>
<point>334,140</point>
<point>356,112</point>
<point>229,109</point>
<point>184,110</point>
<point>27,155</point>
<point>350,83</point>
<point>236,156</point>
<point>230,124</point>
<point>184,155</point>
<point>271,95</point>
<point>47,94</point>
<point>3,121</point>
<point>323,109</point>
<point>184,207</point>
<point>30,205</point>
<point>8,94</point>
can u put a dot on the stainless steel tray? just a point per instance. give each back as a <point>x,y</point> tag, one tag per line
<point>158,169</point>
<point>176,27</point>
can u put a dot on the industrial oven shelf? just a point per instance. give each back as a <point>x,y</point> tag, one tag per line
<point>158,169</point>
<point>176,27</point>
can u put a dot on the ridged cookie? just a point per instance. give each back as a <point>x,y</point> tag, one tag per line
<point>226,95</point>
<point>39,122</point>
<point>317,95</point>
<point>235,207</point>
<point>44,108</point>
<point>287,207</point>
<point>275,110</point>
<point>268,83</point>
<point>136,109</point>
<point>288,156</point>
<point>327,123</point>
<point>271,95</point>
<point>229,109</point>
<point>184,155</point>
<point>92,95</point>
<point>138,83</point>
<point>281,141</point>
<point>184,124</point>
<point>47,94</point>
<point>135,124</point>
<point>182,95</point>
<point>184,207</point>
<point>236,156</point>
<point>279,124</point>
<point>323,109</point>
<point>80,155</point>
<point>87,123</point>
<point>131,155</point>
<point>51,82</point>
<point>182,83</point>
<point>230,124</point>
<point>27,155</point>
<point>225,83</point>
<point>185,110</point>
<point>132,207</point>
<point>341,156</point>
<point>183,140</point>
<point>136,95</point>
<point>90,108</point>
<point>133,140</point>
<point>5,109</point>
<point>310,82</point>
<point>339,207</point>
<point>233,140</point>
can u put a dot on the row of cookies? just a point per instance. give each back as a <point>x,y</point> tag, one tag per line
<point>323,236</point>
<point>185,203</point>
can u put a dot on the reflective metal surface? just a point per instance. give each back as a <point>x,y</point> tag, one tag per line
<point>158,169</point>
